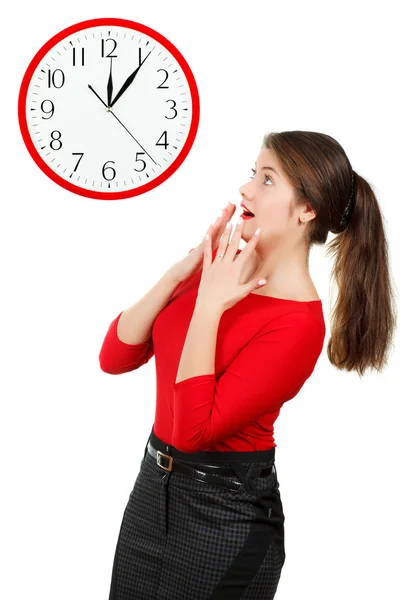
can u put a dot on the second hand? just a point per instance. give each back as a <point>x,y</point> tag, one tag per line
<point>109,110</point>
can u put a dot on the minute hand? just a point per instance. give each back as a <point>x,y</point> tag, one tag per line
<point>128,82</point>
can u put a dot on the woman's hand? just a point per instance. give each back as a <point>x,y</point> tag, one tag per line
<point>219,287</point>
<point>193,261</point>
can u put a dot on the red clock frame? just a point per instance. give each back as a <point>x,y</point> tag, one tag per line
<point>108,22</point>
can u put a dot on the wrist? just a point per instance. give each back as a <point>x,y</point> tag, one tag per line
<point>207,311</point>
<point>171,276</point>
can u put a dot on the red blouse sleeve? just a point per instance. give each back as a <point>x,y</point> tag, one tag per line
<point>268,371</point>
<point>118,357</point>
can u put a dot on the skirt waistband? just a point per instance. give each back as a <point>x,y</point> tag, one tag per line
<point>267,456</point>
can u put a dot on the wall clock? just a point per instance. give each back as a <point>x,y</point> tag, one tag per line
<point>108,108</point>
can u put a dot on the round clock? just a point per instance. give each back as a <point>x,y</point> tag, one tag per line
<point>108,108</point>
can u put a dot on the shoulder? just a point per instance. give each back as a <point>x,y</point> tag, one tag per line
<point>296,321</point>
<point>299,329</point>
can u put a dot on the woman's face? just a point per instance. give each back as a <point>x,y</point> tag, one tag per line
<point>268,195</point>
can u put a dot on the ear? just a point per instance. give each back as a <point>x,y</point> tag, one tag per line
<point>311,212</point>
<point>307,213</point>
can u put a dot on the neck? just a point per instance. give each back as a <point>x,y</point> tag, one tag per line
<point>281,265</point>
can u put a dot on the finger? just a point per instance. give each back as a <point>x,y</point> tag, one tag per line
<point>236,237</point>
<point>249,247</point>
<point>219,224</point>
<point>217,227</point>
<point>207,248</point>
<point>253,285</point>
<point>227,213</point>
<point>232,209</point>
<point>257,283</point>
<point>224,239</point>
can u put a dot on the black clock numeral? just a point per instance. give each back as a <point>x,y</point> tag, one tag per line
<point>161,86</point>
<point>172,108</point>
<point>140,56</point>
<point>165,143</point>
<point>78,153</point>
<point>46,112</point>
<point>74,57</point>
<point>112,169</point>
<point>54,140</point>
<point>51,78</point>
<point>141,160</point>
<point>102,48</point>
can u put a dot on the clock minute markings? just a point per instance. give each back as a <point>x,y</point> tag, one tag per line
<point>129,81</point>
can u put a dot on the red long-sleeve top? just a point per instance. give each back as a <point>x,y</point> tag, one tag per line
<point>266,348</point>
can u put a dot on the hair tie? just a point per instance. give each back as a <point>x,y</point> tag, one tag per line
<point>348,211</point>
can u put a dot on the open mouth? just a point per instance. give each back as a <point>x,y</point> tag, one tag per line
<point>247,214</point>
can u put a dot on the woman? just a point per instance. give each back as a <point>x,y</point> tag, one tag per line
<point>205,519</point>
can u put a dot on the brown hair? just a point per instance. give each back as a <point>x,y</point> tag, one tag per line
<point>364,317</point>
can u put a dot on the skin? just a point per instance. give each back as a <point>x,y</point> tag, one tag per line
<point>280,255</point>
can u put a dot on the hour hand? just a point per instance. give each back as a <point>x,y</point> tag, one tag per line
<point>128,82</point>
<point>124,87</point>
<point>96,94</point>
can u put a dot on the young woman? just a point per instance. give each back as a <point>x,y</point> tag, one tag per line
<point>236,334</point>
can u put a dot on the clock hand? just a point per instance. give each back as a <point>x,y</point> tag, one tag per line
<point>133,136</point>
<point>114,115</point>
<point>129,81</point>
<point>90,88</point>
<point>110,85</point>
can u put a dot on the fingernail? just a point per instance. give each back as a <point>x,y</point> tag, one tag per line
<point>240,221</point>
<point>262,281</point>
<point>228,225</point>
<point>257,231</point>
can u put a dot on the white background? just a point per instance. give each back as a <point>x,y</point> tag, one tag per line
<point>72,437</point>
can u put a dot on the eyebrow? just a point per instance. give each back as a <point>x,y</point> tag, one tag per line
<point>271,168</point>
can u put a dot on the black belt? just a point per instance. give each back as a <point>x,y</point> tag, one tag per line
<point>209,473</point>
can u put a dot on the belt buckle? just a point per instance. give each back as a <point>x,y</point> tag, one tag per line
<point>161,454</point>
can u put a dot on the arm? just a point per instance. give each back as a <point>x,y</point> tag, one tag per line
<point>118,357</point>
<point>267,372</point>
<point>198,353</point>
<point>128,343</point>
<point>136,322</point>
<point>199,357</point>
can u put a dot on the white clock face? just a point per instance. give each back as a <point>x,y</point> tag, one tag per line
<point>109,109</point>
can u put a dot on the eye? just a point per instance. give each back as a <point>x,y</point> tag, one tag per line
<point>267,176</point>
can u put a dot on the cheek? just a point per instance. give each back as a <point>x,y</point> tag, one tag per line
<point>275,216</point>
<point>272,209</point>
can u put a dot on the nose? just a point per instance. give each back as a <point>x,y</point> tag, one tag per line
<point>244,197</point>
<point>243,189</point>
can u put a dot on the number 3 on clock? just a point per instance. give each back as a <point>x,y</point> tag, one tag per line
<point>108,108</point>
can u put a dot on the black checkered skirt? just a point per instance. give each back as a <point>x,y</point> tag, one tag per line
<point>187,539</point>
